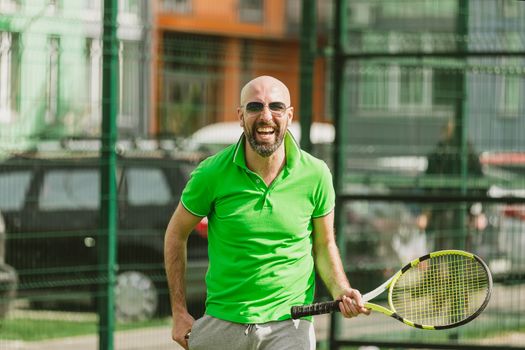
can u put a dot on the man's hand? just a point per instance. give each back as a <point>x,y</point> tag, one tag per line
<point>352,304</point>
<point>182,324</point>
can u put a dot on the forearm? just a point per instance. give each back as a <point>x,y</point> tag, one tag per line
<point>175,253</point>
<point>327,258</point>
<point>330,269</point>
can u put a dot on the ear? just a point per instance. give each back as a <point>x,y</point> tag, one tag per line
<point>290,114</point>
<point>240,115</point>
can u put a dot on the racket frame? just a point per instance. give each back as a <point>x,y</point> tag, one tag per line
<point>329,306</point>
<point>392,281</point>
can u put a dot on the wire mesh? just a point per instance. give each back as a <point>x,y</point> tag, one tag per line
<point>428,83</point>
<point>181,65</point>
<point>431,137</point>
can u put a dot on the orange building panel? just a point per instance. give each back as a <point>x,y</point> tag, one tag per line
<point>246,50</point>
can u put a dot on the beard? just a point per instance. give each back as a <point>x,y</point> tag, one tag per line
<point>264,149</point>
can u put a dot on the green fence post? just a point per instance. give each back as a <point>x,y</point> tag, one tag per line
<point>308,52</point>
<point>338,70</point>
<point>461,131</point>
<point>107,247</point>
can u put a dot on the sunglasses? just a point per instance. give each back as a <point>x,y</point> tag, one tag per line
<point>276,108</point>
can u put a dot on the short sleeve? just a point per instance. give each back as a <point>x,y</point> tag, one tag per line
<point>324,194</point>
<point>197,197</point>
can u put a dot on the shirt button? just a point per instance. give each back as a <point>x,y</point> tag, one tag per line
<point>258,181</point>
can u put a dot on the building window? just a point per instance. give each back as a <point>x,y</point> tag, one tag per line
<point>415,87</point>
<point>129,93</point>
<point>411,83</point>
<point>251,11</point>
<point>190,83</point>
<point>402,86</point>
<point>510,9</point>
<point>130,7</point>
<point>52,79</point>
<point>8,6</point>
<point>94,79</point>
<point>177,6</point>
<point>395,87</point>
<point>510,88</point>
<point>55,5</point>
<point>94,5</point>
<point>9,75</point>
<point>361,14</point>
<point>129,12</point>
<point>373,89</point>
<point>186,103</point>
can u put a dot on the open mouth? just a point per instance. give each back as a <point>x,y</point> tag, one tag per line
<point>265,131</point>
<point>265,138</point>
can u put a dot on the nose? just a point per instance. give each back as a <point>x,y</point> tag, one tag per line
<point>266,113</point>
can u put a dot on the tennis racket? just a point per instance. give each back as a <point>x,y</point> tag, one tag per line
<point>440,290</point>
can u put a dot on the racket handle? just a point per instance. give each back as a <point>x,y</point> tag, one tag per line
<point>315,309</point>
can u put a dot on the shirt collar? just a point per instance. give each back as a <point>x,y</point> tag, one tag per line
<point>291,147</point>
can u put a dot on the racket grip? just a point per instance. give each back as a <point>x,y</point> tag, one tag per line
<point>324,307</point>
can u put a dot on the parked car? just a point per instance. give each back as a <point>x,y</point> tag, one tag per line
<point>508,262</point>
<point>51,205</point>
<point>8,275</point>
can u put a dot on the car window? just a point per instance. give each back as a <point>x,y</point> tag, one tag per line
<point>147,186</point>
<point>13,189</point>
<point>70,189</point>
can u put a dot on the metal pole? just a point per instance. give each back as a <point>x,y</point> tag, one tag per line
<point>107,247</point>
<point>307,58</point>
<point>338,69</point>
<point>461,131</point>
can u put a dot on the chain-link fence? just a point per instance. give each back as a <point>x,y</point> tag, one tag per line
<point>427,115</point>
<point>180,66</point>
<point>430,153</point>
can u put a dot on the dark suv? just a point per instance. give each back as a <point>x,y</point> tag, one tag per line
<point>51,206</point>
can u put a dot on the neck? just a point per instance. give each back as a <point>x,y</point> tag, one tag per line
<point>266,167</point>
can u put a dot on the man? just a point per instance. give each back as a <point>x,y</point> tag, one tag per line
<point>444,223</point>
<point>270,217</point>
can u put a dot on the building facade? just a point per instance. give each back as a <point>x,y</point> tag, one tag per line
<point>51,69</point>
<point>416,67</point>
<point>183,63</point>
<point>208,52</point>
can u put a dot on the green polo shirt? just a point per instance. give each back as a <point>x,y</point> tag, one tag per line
<point>260,237</point>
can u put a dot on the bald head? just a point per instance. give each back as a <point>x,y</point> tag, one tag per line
<point>265,85</point>
<point>264,126</point>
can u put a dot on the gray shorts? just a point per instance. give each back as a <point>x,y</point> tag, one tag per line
<point>210,333</point>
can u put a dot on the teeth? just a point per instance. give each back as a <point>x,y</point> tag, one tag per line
<point>265,130</point>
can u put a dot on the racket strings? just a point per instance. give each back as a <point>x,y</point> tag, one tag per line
<point>440,291</point>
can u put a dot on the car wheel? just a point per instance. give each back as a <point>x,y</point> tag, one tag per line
<point>136,297</point>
